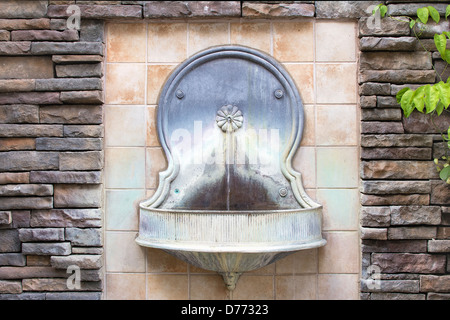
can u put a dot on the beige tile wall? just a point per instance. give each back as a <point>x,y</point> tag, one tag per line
<point>321,57</point>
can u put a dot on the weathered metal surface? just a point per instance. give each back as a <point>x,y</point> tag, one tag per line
<point>230,120</point>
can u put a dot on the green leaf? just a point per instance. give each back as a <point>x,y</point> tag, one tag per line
<point>377,7</point>
<point>441,42</point>
<point>383,10</point>
<point>446,33</point>
<point>412,23</point>
<point>445,173</point>
<point>434,14</point>
<point>444,93</point>
<point>446,56</point>
<point>401,92</point>
<point>423,13</point>
<point>439,108</point>
<point>406,103</point>
<point>418,98</point>
<point>431,98</point>
<point>447,11</point>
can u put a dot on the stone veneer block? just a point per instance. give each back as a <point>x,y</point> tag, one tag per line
<point>46,248</point>
<point>46,48</point>
<point>192,9</point>
<point>41,234</point>
<point>30,98</point>
<point>89,11</point>
<point>82,218</point>
<point>89,160</point>
<point>26,67</point>
<point>91,237</point>
<point>19,113</point>
<point>344,9</point>
<point>25,24</point>
<point>77,196</point>
<point>71,177</point>
<point>69,144</point>
<point>5,217</point>
<point>17,144</point>
<point>23,9</point>
<point>28,160</point>
<point>83,261</point>
<point>277,10</point>
<point>71,114</point>
<point>409,262</point>
<point>26,190</point>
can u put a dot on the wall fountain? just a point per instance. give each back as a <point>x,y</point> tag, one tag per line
<point>230,120</point>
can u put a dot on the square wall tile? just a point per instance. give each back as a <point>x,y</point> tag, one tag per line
<point>156,162</point>
<point>336,83</point>
<point>125,168</point>
<point>295,287</point>
<point>337,167</point>
<point>335,41</point>
<point>125,83</point>
<point>160,261</point>
<point>303,261</point>
<point>309,125</point>
<point>293,41</point>
<point>340,254</point>
<point>205,35</point>
<point>152,131</point>
<point>126,42</point>
<point>305,162</point>
<point>167,287</point>
<point>337,125</point>
<point>125,126</point>
<point>338,287</point>
<point>156,77</point>
<point>340,208</point>
<point>303,75</point>
<point>208,287</point>
<point>167,42</point>
<point>122,253</point>
<point>122,209</point>
<point>122,286</point>
<point>251,34</point>
<point>251,287</point>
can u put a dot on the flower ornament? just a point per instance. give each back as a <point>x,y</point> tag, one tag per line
<point>229,118</point>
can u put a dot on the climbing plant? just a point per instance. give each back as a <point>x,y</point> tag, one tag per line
<point>432,99</point>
